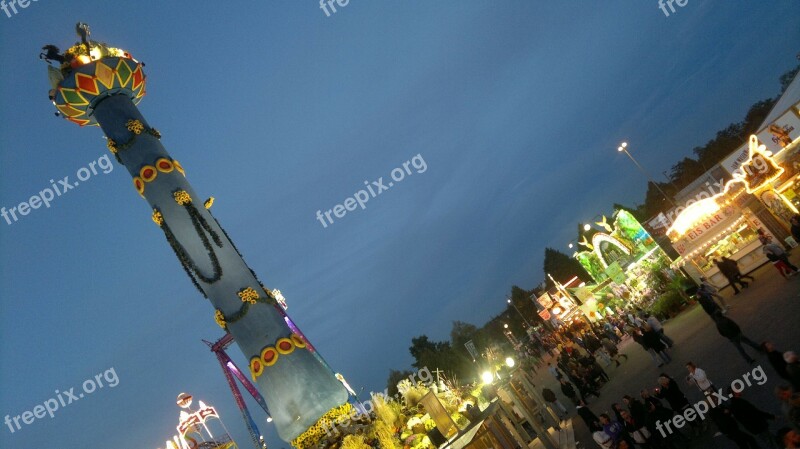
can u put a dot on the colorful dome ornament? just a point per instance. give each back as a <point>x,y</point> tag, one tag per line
<point>87,81</point>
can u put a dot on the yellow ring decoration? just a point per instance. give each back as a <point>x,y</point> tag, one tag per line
<point>256,367</point>
<point>284,351</point>
<point>167,163</point>
<point>179,167</point>
<point>264,353</point>
<point>139,186</point>
<point>298,341</point>
<point>152,170</point>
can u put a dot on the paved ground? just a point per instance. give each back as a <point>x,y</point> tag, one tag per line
<point>768,310</point>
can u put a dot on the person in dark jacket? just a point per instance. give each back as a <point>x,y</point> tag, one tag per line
<point>706,301</point>
<point>651,341</point>
<point>569,391</point>
<point>647,398</point>
<point>637,408</point>
<point>796,228</point>
<point>671,392</point>
<point>730,330</point>
<point>721,416</point>
<point>550,397</point>
<point>730,269</point>
<point>656,416</point>
<point>751,418</point>
<point>589,418</point>
<point>775,358</point>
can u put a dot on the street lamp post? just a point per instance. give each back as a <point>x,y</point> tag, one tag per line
<point>623,148</point>
<point>520,313</point>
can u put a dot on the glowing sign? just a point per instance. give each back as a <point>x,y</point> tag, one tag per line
<point>605,238</point>
<point>189,421</point>
<point>757,171</point>
<point>693,214</point>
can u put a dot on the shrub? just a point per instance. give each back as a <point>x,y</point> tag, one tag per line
<point>667,305</point>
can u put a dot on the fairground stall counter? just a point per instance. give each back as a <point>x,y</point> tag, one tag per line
<point>727,224</point>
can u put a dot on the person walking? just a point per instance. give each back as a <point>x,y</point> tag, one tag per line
<point>780,258</point>
<point>550,397</point>
<point>659,329</point>
<point>612,350</point>
<point>730,330</point>
<point>653,342</point>
<point>730,269</point>
<point>713,293</point>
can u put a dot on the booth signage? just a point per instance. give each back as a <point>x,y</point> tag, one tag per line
<point>545,301</point>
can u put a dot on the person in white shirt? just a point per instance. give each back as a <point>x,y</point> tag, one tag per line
<point>699,378</point>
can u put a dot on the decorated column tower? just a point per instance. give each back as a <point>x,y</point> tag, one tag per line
<point>94,84</point>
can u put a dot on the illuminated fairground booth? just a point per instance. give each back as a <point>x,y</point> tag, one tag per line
<point>760,195</point>
<point>626,263</point>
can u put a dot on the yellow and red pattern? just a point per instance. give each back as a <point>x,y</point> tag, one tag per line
<point>165,165</point>
<point>270,354</point>
<point>149,173</point>
<point>78,93</point>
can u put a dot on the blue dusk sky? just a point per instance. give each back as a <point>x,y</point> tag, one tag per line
<point>277,110</point>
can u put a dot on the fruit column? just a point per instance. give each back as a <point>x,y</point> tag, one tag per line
<point>99,85</point>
